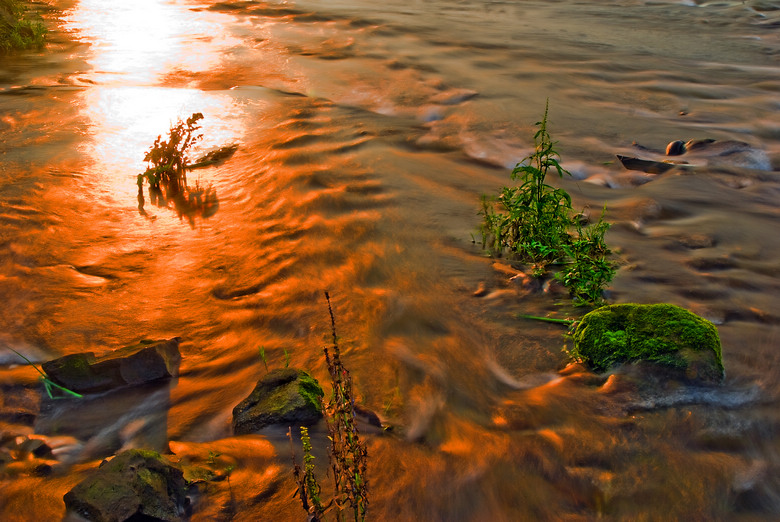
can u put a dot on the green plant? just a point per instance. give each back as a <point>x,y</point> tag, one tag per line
<point>48,383</point>
<point>532,219</point>
<point>308,487</point>
<point>17,31</point>
<point>263,358</point>
<point>348,453</point>
<point>590,269</point>
<point>167,161</point>
<point>534,222</point>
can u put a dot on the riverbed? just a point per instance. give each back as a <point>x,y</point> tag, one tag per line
<point>367,133</point>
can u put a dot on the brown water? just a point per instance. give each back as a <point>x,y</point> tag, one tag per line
<point>367,132</point>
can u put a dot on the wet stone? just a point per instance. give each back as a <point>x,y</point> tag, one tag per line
<point>682,343</point>
<point>285,396</point>
<point>134,485</point>
<point>19,404</point>
<point>145,362</point>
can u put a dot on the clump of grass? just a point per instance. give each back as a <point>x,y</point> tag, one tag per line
<point>533,218</point>
<point>535,223</point>
<point>17,31</point>
<point>348,454</point>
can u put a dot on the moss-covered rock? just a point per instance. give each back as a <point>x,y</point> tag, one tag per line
<point>662,334</point>
<point>286,396</point>
<point>137,485</point>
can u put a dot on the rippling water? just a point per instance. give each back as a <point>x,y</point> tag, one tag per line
<point>367,132</point>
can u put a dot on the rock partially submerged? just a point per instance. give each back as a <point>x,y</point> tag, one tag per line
<point>145,362</point>
<point>137,485</point>
<point>662,334</point>
<point>285,396</point>
<point>697,153</point>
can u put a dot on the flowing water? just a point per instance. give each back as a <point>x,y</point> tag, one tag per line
<point>366,133</point>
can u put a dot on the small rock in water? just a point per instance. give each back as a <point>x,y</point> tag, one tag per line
<point>134,485</point>
<point>698,152</point>
<point>285,396</point>
<point>142,363</point>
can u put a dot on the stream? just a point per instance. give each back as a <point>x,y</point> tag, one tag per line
<point>366,134</point>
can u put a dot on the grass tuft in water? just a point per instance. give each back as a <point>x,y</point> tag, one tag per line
<point>167,161</point>
<point>535,223</point>
<point>166,172</point>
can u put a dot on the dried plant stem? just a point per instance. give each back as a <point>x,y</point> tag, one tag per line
<point>348,456</point>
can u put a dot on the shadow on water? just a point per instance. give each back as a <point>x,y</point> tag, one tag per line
<point>189,202</point>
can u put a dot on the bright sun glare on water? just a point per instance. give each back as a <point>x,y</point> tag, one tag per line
<point>136,48</point>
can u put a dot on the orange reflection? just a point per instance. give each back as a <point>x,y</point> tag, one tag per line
<point>134,48</point>
<point>141,40</point>
<point>125,121</point>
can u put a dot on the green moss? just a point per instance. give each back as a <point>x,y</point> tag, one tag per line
<point>282,396</point>
<point>310,389</point>
<point>302,390</point>
<point>662,333</point>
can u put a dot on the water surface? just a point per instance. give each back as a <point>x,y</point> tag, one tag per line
<point>367,133</point>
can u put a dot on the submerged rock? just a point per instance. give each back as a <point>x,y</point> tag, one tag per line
<point>661,334</point>
<point>145,362</point>
<point>137,485</point>
<point>286,396</point>
<point>697,153</point>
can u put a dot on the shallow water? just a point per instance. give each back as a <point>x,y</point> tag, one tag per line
<point>367,133</point>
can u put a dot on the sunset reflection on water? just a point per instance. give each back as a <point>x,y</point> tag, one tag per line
<point>124,122</point>
<point>365,138</point>
<point>136,51</point>
<point>137,42</point>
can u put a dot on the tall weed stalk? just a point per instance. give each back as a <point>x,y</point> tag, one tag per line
<point>348,455</point>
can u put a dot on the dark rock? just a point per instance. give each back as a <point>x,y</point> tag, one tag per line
<point>35,447</point>
<point>42,470</point>
<point>19,404</point>
<point>5,456</point>
<point>286,396</point>
<point>137,485</point>
<point>141,363</point>
<point>662,334</point>
<point>367,416</point>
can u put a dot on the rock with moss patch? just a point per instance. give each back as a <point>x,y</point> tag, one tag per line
<point>662,334</point>
<point>286,396</point>
<point>141,363</point>
<point>134,485</point>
